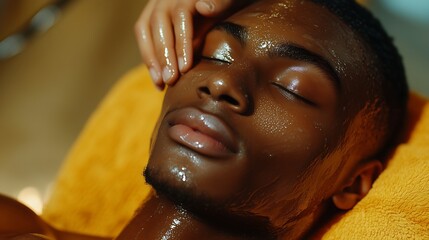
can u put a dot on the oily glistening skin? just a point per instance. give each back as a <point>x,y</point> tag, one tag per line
<point>278,121</point>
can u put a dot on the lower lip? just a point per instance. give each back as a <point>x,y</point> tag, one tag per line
<point>197,141</point>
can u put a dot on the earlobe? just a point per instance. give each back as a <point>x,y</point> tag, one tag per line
<point>358,185</point>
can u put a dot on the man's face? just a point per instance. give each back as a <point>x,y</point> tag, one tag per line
<point>254,126</point>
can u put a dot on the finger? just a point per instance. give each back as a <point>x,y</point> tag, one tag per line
<point>145,43</point>
<point>148,55</point>
<point>200,30</point>
<point>163,38</point>
<point>211,8</point>
<point>183,29</point>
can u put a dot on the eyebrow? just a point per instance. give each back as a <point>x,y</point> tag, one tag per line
<point>236,31</point>
<point>286,50</point>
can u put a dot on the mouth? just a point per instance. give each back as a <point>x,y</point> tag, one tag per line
<point>201,132</point>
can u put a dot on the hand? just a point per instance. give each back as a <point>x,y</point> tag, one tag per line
<point>166,35</point>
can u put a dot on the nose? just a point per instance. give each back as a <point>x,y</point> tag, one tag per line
<point>228,90</point>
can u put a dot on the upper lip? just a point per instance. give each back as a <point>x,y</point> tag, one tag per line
<point>206,123</point>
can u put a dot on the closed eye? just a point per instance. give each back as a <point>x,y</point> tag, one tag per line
<point>291,94</point>
<point>213,59</point>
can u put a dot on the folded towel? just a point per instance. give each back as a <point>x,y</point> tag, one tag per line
<point>100,184</point>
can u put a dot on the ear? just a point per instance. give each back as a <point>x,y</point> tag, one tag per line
<point>358,185</point>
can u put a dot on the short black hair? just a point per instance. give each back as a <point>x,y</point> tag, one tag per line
<point>387,62</point>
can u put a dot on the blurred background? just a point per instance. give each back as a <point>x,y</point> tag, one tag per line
<point>49,89</point>
<point>54,72</point>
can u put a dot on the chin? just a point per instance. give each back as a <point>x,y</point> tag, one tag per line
<point>204,207</point>
<point>184,194</point>
<point>172,186</point>
<point>184,170</point>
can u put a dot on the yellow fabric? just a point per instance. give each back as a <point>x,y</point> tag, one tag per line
<point>100,185</point>
<point>397,206</point>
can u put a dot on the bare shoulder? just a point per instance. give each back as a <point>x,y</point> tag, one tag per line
<point>16,219</point>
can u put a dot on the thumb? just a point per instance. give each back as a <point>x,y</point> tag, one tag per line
<point>213,8</point>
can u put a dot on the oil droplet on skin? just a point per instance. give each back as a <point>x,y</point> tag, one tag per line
<point>218,83</point>
<point>163,41</point>
<point>170,232</point>
<point>223,52</point>
<point>277,11</point>
<point>293,85</point>
<point>175,223</point>
<point>284,5</point>
<point>183,33</point>
<point>194,159</point>
<point>166,55</point>
<point>180,173</point>
<point>264,46</point>
<point>182,25</point>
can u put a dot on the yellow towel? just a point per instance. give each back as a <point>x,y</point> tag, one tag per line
<point>100,184</point>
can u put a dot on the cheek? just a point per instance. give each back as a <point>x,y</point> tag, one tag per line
<point>283,143</point>
<point>288,136</point>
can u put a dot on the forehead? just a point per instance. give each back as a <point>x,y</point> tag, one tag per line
<point>302,21</point>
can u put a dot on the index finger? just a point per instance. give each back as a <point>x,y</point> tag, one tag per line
<point>183,28</point>
<point>145,44</point>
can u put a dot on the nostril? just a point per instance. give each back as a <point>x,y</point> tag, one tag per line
<point>229,99</point>
<point>221,97</point>
<point>205,90</point>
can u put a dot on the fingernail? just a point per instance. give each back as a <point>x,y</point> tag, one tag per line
<point>181,61</point>
<point>206,4</point>
<point>154,74</point>
<point>161,86</point>
<point>167,73</point>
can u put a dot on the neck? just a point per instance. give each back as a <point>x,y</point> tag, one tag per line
<point>159,218</point>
